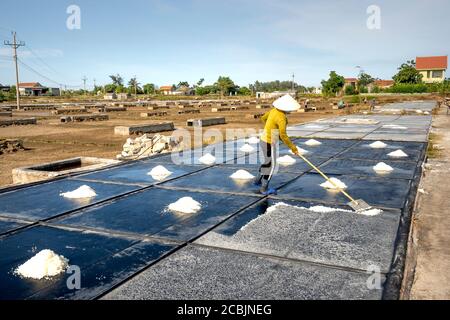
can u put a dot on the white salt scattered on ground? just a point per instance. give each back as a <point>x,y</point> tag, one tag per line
<point>370,212</point>
<point>207,159</point>
<point>323,209</point>
<point>313,142</point>
<point>328,185</point>
<point>159,173</point>
<point>44,264</point>
<point>253,140</point>
<point>286,160</point>
<point>382,167</point>
<point>242,175</point>
<point>394,126</point>
<point>82,192</point>
<point>378,145</point>
<point>397,154</point>
<point>247,148</point>
<point>185,205</point>
<point>300,150</point>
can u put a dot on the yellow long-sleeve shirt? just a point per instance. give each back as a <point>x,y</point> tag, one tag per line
<point>276,120</point>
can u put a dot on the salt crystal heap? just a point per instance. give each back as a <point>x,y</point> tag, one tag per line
<point>247,148</point>
<point>207,159</point>
<point>43,265</point>
<point>378,145</point>
<point>185,205</point>
<point>159,173</point>
<point>397,154</point>
<point>337,182</point>
<point>242,175</point>
<point>81,193</point>
<point>253,140</point>
<point>382,167</point>
<point>286,160</point>
<point>313,142</point>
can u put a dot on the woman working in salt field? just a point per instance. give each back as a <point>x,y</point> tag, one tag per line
<point>275,123</point>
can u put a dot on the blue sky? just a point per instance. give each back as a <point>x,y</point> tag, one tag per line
<point>167,41</point>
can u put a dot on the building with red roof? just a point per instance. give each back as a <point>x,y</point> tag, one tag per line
<point>432,68</point>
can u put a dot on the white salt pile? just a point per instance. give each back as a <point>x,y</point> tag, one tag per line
<point>382,167</point>
<point>419,111</point>
<point>247,148</point>
<point>397,154</point>
<point>82,192</point>
<point>426,112</point>
<point>44,264</point>
<point>207,159</point>
<point>242,175</point>
<point>299,150</point>
<point>159,173</point>
<point>185,205</point>
<point>378,145</point>
<point>312,142</point>
<point>370,212</point>
<point>286,160</point>
<point>253,140</point>
<point>337,182</point>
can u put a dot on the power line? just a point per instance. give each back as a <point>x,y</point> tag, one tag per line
<point>45,77</point>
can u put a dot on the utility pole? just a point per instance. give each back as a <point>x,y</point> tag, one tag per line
<point>293,77</point>
<point>16,45</point>
<point>84,84</point>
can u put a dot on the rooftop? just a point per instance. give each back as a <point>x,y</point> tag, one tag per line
<point>428,63</point>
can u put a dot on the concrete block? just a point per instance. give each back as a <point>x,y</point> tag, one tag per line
<point>5,114</point>
<point>17,122</point>
<point>82,117</point>
<point>188,111</point>
<point>144,128</point>
<point>153,114</point>
<point>205,122</point>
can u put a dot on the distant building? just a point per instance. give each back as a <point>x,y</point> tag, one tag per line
<point>317,90</point>
<point>110,96</point>
<point>183,91</point>
<point>123,96</point>
<point>351,82</point>
<point>4,88</point>
<point>166,90</point>
<point>432,68</point>
<point>275,94</point>
<point>36,89</point>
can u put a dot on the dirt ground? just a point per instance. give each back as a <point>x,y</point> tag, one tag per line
<point>50,140</point>
<point>428,263</point>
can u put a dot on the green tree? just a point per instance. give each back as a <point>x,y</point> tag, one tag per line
<point>133,86</point>
<point>244,91</point>
<point>200,82</point>
<point>333,85</point>
<point>149,88</point>
<point>350,90</point>
<point>407,73</point>
<point>12,93</point>
<point>365,79</point>
<point>117,79</point>
<point>110,87</point>
<point>183,84</point>
<point>225,85</point>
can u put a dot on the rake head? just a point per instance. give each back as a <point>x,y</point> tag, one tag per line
<point>359,205</point>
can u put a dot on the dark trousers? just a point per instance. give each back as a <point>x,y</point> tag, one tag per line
<point>267,166</point>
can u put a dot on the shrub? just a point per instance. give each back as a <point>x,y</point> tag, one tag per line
<point>350,90</point>
<point>409,88</point>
